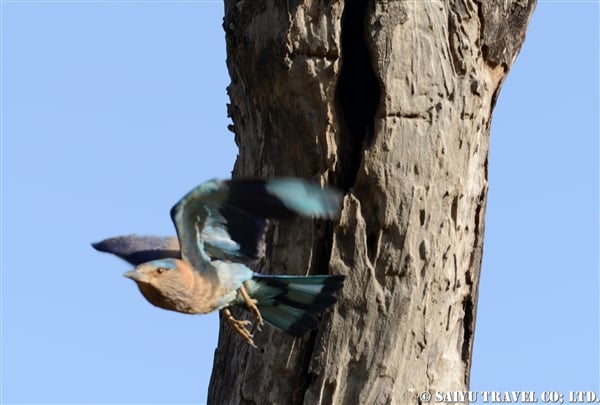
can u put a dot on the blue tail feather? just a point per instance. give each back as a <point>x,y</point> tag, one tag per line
<point>292,303</point>
<point>289,319</point>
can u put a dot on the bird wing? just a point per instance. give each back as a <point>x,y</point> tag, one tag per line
<point>228,219</point>
<point>137,249</point>
<point>195,213</point>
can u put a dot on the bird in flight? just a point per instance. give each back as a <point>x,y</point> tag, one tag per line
<point>221,227</point>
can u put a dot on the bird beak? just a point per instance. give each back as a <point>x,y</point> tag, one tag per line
<point>134,275</point>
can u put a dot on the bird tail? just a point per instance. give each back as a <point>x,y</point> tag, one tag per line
<point>292,303</point>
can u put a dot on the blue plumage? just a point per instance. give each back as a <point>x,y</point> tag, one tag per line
<point>221,226</point>
<point>292,303</point>
<point>140,249</point>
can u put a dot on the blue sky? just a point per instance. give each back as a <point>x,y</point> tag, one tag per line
<point>111,111</point>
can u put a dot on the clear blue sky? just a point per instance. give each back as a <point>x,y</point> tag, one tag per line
<point>112,110</point>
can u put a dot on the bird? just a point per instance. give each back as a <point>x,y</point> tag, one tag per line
<point>221,226</point>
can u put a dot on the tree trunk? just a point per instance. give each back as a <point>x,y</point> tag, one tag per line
<point>390,101</point>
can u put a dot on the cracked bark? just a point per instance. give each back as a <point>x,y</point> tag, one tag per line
<point>391,101</point>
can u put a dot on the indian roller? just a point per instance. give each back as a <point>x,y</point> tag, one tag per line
<point>221,227</point>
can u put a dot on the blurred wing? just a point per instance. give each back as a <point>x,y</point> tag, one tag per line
<point>232,234</point>
<point>140,249</point>
<point>284,198</point>
<point>228,219</point>
<point>194,215</point>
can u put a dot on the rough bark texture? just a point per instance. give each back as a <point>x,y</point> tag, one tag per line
<point>391,101</point>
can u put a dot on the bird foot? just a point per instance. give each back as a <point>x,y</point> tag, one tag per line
<point>240,327</point>
<point>252,307</point>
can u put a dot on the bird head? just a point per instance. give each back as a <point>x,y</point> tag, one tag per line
<point>165,283</point>
<point>153,272</point>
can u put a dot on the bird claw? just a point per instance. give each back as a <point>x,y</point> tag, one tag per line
<point>240,327</point>
<point>252,307</point>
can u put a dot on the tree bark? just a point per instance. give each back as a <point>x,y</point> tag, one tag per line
<point>390,101</point>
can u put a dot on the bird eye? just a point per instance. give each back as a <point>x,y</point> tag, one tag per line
<point>160,270</point>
